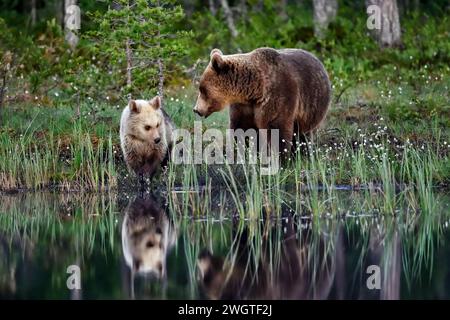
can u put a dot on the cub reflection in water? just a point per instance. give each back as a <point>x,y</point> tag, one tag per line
<point>289,265</point>
<point>147,237</point>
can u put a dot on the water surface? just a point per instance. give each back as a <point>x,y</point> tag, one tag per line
<point>133,247</point>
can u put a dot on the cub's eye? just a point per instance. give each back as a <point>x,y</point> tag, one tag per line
<point>158,125</point>
<point>147,128</point>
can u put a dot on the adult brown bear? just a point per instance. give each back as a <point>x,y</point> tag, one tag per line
<point>285,89</point>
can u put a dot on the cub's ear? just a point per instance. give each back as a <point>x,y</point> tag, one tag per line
<point>215,51</point>
<point>155,102</point>
<point>133,106</point>
<point>218,63</point>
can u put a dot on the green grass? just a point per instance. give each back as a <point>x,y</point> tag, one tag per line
<point>89,220</point>
<point>387,131</point>
<point>388,123</point>
<point>55,154</point>
<point>70,154</point>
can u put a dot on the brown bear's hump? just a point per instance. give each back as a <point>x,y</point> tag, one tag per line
<point>269,55</point>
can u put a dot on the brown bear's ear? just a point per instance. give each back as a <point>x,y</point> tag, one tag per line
<point>215,51</point>
<point>218,63</point>
<point>155,102</point>
<point>133,106</point>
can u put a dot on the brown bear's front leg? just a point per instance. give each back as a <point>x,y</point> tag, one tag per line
<point>286,132</point>
<point>242,117</point>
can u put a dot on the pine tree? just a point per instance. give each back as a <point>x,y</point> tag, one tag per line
<point>140,39</point>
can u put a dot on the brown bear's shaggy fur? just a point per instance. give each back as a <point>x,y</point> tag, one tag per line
<point>306,268</point>
<point>284,89</point>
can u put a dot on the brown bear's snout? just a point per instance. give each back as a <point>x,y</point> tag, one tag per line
<point>197,112</point>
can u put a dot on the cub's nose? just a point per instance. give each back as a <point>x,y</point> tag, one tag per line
<point>197,112</point>
<point>157,140</point>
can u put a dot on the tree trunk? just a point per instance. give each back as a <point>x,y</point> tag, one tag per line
<point>59,12</point>
<point>160,74</point>
<point>33,13</point>
<point>212,7</point>
<point>388,33</point>
<point>161,80</point>
<point>129,55</point>
<point>71,22</point>
<point>160,67</point>
<point>2,92</point>
<point>188,7</point>
<point>5,66</point>
<point>229,17</point>
<point>76,294</point>
<point>324,12</point>
<point>390,288</point>
<point>385,251</point>
<point>282,6</point>
<point>243,8</point>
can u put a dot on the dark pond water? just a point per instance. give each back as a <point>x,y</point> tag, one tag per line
<point>127,247</point>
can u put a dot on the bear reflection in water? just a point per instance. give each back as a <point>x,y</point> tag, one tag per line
<point>302,266</point>
<point>310,263</point>
<point>147,237</point>
<point>279,260</point>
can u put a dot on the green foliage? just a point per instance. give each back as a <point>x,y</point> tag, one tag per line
<point>147,27</point>
<point>405,85</point>
<point>37,61</point>
<point>97,68</point>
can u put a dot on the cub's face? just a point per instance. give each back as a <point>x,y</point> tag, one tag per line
<point>213,94</point>
<point>147,250</point>
<point>147,236</point>
<point>145,120</point>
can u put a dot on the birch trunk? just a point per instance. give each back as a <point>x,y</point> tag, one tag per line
<point>71,22</point>
<point>5,66</point>
<point>160,64</point>
<point>324,12</point>
<point>129,55</point>
<point>229,17</point>
<point>283,12</point>
<point>212,7</point>
<point>389,33</point>
<point>33,13</point>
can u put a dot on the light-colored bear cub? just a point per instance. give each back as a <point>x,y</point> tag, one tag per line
<point>147,237</point>
<point>145,136</point>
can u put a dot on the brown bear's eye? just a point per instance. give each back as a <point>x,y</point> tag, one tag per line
<point>147,128</point>
<point>203,91</point>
